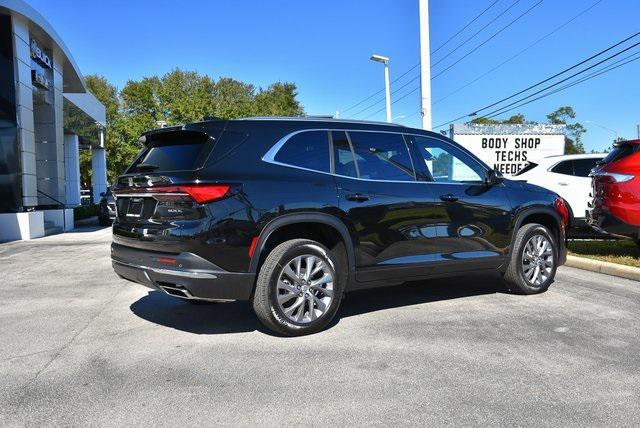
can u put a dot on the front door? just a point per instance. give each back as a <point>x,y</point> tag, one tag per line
<point>473,217</point>
<point>387,209</point>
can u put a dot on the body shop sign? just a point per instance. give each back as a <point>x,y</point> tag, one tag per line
<point>509,153</point>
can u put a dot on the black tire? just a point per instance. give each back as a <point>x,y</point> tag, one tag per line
<point>265,296</point>
<point>514,276</point>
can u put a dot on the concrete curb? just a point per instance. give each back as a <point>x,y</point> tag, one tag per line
<point>628,272</point>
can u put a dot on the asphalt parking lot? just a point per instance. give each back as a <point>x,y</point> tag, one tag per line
<point>82,347</point>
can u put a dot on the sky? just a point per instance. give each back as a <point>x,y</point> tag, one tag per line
<point>324,48</point>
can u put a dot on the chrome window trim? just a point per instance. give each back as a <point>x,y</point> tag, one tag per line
<point>269,156</point>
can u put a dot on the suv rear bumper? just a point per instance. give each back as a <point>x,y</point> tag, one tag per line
<point>189,277</point>
<point>603,221</point>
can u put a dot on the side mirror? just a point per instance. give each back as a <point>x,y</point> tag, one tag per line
<point>493,177</point>
<point>103,194</point>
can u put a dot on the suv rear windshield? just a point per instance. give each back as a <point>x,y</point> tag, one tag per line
<point>621,150</point>
<point>173,151</point>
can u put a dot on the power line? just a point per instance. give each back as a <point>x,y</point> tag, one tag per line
<point>418,64</point>
<point>476,33</point>
<point>519,53</point>
<point>382,99</point>
<point>469,53</point>
<point>380,91</point>
<point>465,27</point>
<point>567,78</point>
<point>590,76</point>
<point>394,101</point>
<point>526,12</point>
<point>474,113</point>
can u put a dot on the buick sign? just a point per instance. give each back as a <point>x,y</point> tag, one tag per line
<point>39,56</point>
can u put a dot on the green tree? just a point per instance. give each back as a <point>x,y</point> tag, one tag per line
<point>573,141</point>
<point>185,96</point>
<point>119,151</point>
<point>516,119</point>
<point>233,99</point>
<point>279,99</point>
<point>175,98</point>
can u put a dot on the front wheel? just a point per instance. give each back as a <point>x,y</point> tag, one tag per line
<point>534,260</point>
<point>299,288</point>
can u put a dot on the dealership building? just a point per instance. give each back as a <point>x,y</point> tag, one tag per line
<point>47,116</point>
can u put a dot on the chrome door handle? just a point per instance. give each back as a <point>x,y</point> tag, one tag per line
<point>357,197</point>
<point>563,184</point>
<point>449,197</point>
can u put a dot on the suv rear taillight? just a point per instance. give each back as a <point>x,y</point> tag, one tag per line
<point>560,205</point>
<point>200,193</point>
<point>613,177</point>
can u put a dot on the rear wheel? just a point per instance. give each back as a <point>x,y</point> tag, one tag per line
<point>534,259</point>
<point>299,288</point>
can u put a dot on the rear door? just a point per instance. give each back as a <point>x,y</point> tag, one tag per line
<point>570,179</point>
<point>385,207</point>
<point>473,218</point>
<point>563,181</point>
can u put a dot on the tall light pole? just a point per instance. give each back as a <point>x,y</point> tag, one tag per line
<point>425,65</point>
<point>387,89</point>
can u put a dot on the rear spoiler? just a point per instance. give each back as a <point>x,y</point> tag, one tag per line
<point>174,134</point>
<point>625,143</point>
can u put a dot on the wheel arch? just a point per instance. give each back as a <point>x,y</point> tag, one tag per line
<point>543,215</point>
<point>271,230</point>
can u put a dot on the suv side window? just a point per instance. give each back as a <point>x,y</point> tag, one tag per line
<point>582,167</point>
<point>382,156</point>
<point>564,167</point>
<point>446,163</point>
<point>308,150</point>
<point>343,155</point>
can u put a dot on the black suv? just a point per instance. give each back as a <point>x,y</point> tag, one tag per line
<point>292,213</point>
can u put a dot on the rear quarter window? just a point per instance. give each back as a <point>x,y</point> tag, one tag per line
<point>564,167</point>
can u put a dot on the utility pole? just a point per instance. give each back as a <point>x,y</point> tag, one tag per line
<point>425,65</point>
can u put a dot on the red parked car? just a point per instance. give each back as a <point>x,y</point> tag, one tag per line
<point>615,208</point>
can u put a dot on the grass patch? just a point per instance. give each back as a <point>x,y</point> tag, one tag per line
<point>624,251</point>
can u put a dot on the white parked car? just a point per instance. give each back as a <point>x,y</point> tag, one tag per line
<point>568,176</point>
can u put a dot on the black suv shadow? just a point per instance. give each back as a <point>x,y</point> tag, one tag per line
<point>237,317</point>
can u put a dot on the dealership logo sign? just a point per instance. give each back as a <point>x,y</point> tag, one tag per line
<point>39,56</point>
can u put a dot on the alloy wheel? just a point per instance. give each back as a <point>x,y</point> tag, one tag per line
<point>305,289</point>
<point>537,260</point>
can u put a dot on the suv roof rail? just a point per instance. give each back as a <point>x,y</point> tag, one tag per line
<point>320,119</point>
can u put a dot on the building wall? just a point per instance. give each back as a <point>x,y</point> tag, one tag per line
<point>35,155</point>
<point>10,180</point>
<point>40,121</point>
<point>24,106</point>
